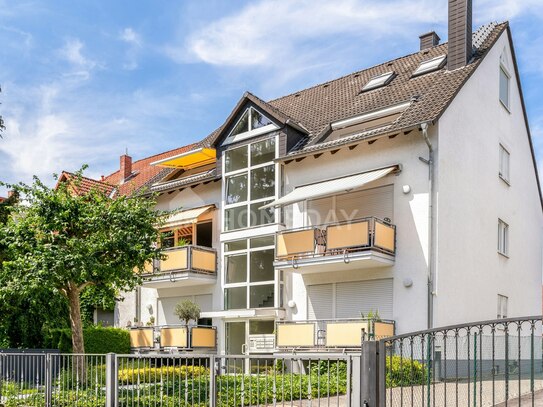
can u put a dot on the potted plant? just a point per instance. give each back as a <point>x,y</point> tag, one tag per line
<point>187,311</point>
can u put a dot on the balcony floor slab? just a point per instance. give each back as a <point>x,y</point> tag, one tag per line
<point>179,279</point>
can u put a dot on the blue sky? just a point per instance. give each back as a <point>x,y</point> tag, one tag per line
<point>82,81</point>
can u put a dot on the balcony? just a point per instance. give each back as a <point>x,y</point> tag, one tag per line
<point>331,334</point>
<point>173,337</point>
<point>356,244</point>
<point>183,266</point>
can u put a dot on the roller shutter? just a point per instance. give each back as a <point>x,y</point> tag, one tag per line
<point>320,301</point>
<point>350,299</point>
<point>355,297</point>
<point>378,202</point>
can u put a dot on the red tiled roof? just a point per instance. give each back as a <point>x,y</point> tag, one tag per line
<point>142,171</point>
<point>86,184</point>
<point>2,199</point>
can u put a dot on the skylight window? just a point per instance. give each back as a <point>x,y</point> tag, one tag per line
<point>378,81</point>
<point>430,65</point>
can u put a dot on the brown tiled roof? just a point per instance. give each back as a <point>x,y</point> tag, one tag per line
<point>318,106</point>
<point>85,184</point>
<point>143,171</point>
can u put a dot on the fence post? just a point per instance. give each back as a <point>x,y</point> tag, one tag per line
<point>369,374</point>
<point>212,381</point>
<point>48,380</point>
<point>111,380</point>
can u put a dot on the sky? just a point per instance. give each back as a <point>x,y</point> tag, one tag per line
<point>85,81</point>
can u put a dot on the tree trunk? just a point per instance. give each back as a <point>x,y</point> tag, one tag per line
<point>78,344</point>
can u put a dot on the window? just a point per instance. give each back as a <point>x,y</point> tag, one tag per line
<point>378,81</point>
<point>504,87</point>
<point>502,306</point>
<point>504,164</point>
<point>503,238</point>
<point>251,123</point>
<point>250,184</point>
<point>431,65</point>
<point>249,273</point>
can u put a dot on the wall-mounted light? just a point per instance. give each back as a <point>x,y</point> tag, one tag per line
<point>406,189</point>
<point>150,308</point>
<point>291,304</point>
<point>407,282</point>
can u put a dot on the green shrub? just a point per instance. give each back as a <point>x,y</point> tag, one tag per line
<point>137,375</point>
<point>402,372</point>
<point>97,340</point>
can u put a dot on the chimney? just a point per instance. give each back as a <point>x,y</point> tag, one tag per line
<point>126,167</point>
<point>429,40</point>
<point>460,47</point>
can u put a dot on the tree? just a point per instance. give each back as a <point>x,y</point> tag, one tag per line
<point>187,310</point>
<point>68,241</point>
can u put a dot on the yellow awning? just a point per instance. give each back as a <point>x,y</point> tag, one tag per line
<point>186,217</point>
<point>190,159</point>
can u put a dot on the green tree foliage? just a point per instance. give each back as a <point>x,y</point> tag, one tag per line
<point>65,242</point>
<point>187,310</point>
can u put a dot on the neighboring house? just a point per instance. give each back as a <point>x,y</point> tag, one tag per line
<point>2,199</point>
<point>408,188</point>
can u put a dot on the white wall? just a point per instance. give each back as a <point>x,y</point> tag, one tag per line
<point>410,217</point>
<point>470,272</point>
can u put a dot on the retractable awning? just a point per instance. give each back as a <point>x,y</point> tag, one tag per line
<point>331,187</point>
<point>189,159</point>
<point>186,217</point>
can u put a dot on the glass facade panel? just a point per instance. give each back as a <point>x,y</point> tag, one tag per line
<point>235,218</point>
<point>235,245</point>
<point>235,298</point>
<point>261,296</point>
<point>258,119</point>
<point>262,265</point>
<point>236,268</point>
<point>236,189</point>
<point>263,182</point>
<point>243,124</point>
<point>262,241</point>
<point>261,216</point>
<point>236,159</point>
<point>263,151</point>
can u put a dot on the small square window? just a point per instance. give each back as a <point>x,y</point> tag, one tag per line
<point>502,306</point>
<point>503,238</point>
<point>504,164</point>
<point>504,87</point>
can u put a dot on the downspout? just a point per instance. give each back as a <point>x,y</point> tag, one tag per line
<point>431,255</point>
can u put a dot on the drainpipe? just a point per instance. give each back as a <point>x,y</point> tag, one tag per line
<point>430,276</point>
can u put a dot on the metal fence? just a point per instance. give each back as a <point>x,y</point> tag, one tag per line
<point>481,364</point>
<point>180,380</point>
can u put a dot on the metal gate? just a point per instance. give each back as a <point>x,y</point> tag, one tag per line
<point>490,363</point>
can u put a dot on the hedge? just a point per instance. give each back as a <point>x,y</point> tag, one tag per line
<point>97,340</point>
<point>402,372</point>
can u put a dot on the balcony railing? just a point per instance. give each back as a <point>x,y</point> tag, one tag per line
<point>194,259</point>
<point>180,337</point>
<point>331,334</point>
<point>336,238</point>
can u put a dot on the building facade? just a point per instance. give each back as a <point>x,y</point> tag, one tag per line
<point>405,193</point>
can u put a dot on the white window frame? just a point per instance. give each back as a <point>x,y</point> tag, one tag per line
<point>430,65</point>
<point>247,170</point>
<point>378,81</point>
<point>503,301</point>
<point>506,105</point>
<point>505,165</point>
<point>247,283</point>
<point>250,133</point>
<point>503,238</point>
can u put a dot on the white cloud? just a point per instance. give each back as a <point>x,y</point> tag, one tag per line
<point>133,39</point>
<point>269,30</point>
<point>130,36</point>
<point>81,65</point>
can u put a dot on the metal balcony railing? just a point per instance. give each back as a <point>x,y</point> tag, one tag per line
<point>180,337</point>
<point>336,238</point>
<point>195,259</point>
<point>331,334</point>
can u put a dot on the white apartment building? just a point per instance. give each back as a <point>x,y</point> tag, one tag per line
<point>408,189</point>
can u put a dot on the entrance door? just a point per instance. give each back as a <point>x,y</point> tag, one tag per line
<point>235,338</point>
